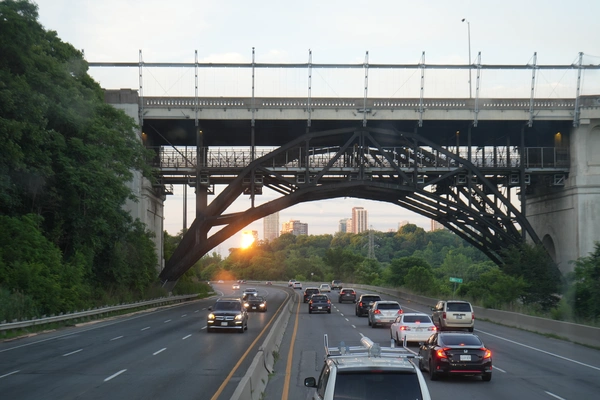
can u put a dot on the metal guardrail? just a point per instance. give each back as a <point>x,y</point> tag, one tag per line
<point>96,311</point>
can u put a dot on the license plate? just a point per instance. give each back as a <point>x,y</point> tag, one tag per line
<point>223,323</point>
<point>320,308</point>
<point>254,308</point>
<point>419,329</point>
<point>465,357</point>
<point>459,317</point>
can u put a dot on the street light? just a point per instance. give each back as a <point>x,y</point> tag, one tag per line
<point>469,33</point>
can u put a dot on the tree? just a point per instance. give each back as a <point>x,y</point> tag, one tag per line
<point>399,267</point>
<point>541,275</point>
<point>420,279</point>
<point>584,292</point>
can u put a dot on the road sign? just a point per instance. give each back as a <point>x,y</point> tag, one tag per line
<point>457,280</point>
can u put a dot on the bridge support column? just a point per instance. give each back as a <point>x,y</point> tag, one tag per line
<point>566,219</point>
<point>150,202</point>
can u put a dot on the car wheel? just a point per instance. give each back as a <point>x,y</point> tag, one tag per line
<point>421,366</point>
<point>328,311</point>
<point>241,330</point>
<point>369,321</point>
<point>208,330</point>
<point>432,374</point>
<point>486,377</point>
<point>309,311</point>
<point>471,329</point>
<point>373,324</point>
<point>398,342</point>
<point>354,301</point>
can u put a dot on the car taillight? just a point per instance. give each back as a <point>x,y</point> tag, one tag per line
<point>441,353</point>
<point>444,315</point>
<point>432,328</point>
<point>472,316</point>
<point>405,328</point>
<point>376,312</point>
<point>360,304</point>
<point>400,312</point>
<point>487,354</point>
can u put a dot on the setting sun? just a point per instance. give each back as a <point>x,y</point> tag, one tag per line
<point>247,239</point>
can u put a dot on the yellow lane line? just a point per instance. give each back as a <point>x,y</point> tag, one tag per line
<point>288,368</point>
<point>226,381</point>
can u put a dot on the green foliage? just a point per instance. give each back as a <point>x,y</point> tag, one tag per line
<point>583,294</point>
<point>66,160</point>
<point>399,268</point>
<point>420,279</point>
<point>541,275</point>
<point>494,288</point>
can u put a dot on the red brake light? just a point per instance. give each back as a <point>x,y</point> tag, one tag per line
<point>487,353</point>
<point>441,353</point>
<point>360,304</point>
<point>472,316</point>
<point>376,312</point>
<point>432,328</point>
<point>444,315</point>
<point>400,311</point>
<point>405,328</point>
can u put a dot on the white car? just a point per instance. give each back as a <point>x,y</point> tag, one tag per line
<point>415,327</point>
<point>297,285</point>
<point>325,288</point>
<point>235,286</point>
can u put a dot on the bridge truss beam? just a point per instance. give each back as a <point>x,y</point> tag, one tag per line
<point>466,199</point>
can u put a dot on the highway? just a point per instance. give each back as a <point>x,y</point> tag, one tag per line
<point>526,365</point>
<point>167,354</point>
<point>158,354</point>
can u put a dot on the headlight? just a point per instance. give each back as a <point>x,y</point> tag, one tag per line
<point>246,305</point>
<point>211,316</point>
<point>238,317</point>
<point>262,304</point>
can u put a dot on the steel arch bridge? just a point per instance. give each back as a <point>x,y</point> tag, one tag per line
<point>468,196</point>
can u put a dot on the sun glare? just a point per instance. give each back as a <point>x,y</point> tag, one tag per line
<point>247,239</point>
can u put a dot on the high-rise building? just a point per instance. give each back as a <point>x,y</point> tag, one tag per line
<point>349,226</point>
<point>295,227</point>
<point>359,220</point>
<point>271,227</point>
<point>343,226</point>
<point>436,226</point>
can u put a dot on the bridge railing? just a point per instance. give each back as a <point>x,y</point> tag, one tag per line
<point>359,103</point>
<point>184,158</point>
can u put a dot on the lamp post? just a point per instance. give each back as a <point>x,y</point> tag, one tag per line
<point>469,37</point>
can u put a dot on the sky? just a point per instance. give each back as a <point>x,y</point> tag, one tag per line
<point>395,32</point>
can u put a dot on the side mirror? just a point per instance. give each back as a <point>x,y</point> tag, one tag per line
<point>421,344</point>
<point>310,382</point>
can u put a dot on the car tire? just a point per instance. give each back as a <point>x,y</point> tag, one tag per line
<point>369,321</point>
<point>241,330</point>
<point>421,366</point>
<point>208,330</point>
<point>354,301</point>
<point>309,311</point>
<point>328,311</point>
<point>471,329</point>
<point>432,374</point>
<point>486,377</point>
<point>398,341</point>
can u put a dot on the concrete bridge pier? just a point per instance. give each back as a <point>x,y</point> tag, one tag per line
<point>566,218</point>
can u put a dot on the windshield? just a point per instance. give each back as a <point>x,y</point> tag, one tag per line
<point>465,307</point>
<point>461,340</point>
<point>423,319</point>
<point>390,385</point>
<point>227,306</point>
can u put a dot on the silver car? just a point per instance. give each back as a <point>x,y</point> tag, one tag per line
<point>384,312</point>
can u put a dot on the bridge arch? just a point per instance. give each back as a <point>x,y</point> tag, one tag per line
<point>384,164</point>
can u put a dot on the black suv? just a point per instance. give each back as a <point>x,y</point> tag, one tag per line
<point>364,303</point>
<point>347,294</point>
<point>309,291</point>
<point>227,313</point>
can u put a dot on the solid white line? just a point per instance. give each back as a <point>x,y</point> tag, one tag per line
<point>10,373</point>
<point>184,315</point>
<point>167,321</point>
<point>540,350</point>
<point>354,326</point>
<point>115,375</point>
<point>160,351</point>
<point>73,352</point>
<point>347,319</point>
<point>185,337</point>
<point>143,329</point>
<point>499,369</point>
<point>555,396</point>
<point>116,338</point>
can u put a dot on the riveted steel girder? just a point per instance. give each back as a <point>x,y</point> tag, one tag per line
<point>401,168</point>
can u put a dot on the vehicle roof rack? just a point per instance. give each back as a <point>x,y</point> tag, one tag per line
<point>369,349</point>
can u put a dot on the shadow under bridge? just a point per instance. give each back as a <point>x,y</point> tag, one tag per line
<point>442,183</point>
